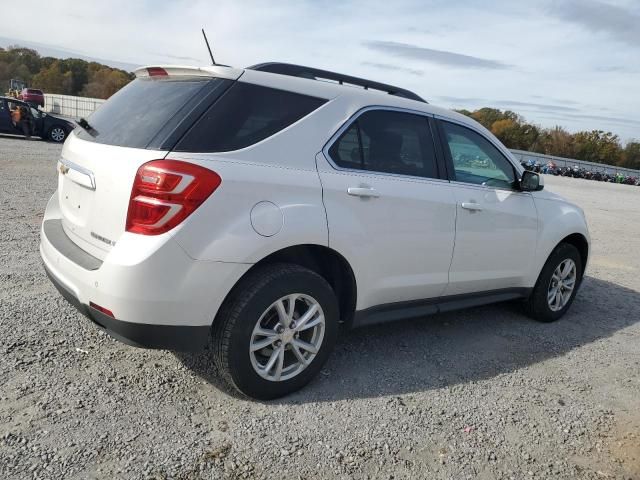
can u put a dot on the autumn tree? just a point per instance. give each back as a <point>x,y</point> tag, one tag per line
<point>53,75</point>
<point>515,134</point>
<point>104,82</point>
<point>595,146</point>
<point>488,116</point>
<point>557,141</point>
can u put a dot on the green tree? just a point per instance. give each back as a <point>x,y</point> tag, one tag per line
<point>25,56</point>
<point>53,80</point>
<point>631,155</point>
<point>464,112</point>
<point>597,146</point>
<point>79,73</point>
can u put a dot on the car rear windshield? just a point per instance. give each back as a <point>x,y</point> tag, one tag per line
<point>138,112</point>
<point>245,115</point>
<point>34,91</point>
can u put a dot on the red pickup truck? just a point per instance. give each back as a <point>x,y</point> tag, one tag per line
<point>32,96</point>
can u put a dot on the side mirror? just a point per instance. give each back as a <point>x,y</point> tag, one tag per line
<point>531,182</point>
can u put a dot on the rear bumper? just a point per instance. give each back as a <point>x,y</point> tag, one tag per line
<point>159,296</point>
<point>166,337</point>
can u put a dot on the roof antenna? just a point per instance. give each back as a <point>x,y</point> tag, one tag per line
<point>213,62</point>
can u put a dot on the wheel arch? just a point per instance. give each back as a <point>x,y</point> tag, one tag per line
<point>582,245</point>
<point>577,239</point>
<point>325,261</point>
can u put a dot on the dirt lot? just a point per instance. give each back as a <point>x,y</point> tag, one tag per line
<point>485,393</point>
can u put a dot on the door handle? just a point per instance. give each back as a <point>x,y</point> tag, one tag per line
<point>473,206</point>
<point>363,192</point>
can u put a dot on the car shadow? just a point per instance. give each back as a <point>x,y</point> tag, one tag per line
<point>453,348</point>
<point>11,136</point>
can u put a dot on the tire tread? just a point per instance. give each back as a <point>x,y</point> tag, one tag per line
<point>536,305</point>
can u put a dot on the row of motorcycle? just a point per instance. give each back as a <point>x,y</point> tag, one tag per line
<point>576,171</point>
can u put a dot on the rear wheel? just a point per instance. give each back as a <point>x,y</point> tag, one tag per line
<point>57,134</point>
<point>557,284</point>
<point>275,331</point>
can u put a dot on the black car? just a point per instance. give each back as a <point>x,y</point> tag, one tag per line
<point>32,121</point>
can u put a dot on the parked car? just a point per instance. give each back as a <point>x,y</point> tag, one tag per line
<point>32,96</point>
<point>261,208</point>
<point>32,121</point>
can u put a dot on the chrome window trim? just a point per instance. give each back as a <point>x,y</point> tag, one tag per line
<point>393,176</point>
<point>357,114</point>
<point>352,119</point>
<point>487,187</point>
<point>500,148</point>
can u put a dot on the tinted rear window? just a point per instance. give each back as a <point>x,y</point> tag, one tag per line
<point>244,115</point>
<point>36,92</point>
<point>135,114</point>
<point>389,142</point>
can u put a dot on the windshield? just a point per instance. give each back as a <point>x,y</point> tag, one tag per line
<point>136,114</point>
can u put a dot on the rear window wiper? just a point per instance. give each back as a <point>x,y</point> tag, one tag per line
<point>88,128</point>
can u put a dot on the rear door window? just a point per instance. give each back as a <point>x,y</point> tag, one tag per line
<point>389,142</point>
<point>245,115</point>
<point>136,114</point>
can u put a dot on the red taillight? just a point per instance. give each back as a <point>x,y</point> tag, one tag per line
<point>157,72</point>
<point>165,192</point>
<point>106,311</point>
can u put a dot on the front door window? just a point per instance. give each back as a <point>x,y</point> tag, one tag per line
<point>475,160</point>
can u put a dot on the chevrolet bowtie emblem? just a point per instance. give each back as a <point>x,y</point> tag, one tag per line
<point>63,169</point>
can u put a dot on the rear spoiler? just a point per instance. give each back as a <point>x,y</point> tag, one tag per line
<point>186,71</point>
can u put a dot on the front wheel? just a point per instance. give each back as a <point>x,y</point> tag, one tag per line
<point>275,331</point>
<point>57,134</point>
<point>557,284</point>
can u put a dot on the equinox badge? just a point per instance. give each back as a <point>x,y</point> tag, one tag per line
<point>103,239</point>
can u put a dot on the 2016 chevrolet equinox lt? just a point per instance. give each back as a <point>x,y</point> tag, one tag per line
<point>262,207</point>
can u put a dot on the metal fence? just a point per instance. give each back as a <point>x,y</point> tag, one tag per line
<point>70,106</point>
<point>543,159</point>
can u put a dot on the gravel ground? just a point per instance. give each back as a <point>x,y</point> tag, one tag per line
<point>484,393</point>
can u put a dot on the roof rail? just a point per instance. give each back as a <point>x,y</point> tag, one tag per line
<point>318,74</point>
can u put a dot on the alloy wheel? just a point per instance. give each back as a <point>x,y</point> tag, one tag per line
<point>287,337</point>
<point>562,284</point>
<point>57,134</point>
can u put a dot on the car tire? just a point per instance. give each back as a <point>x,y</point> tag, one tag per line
<point>551,297</point>
<point>258,305</point>
<point>57,134</point>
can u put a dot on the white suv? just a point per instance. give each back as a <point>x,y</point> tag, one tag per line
<point>262,207</point>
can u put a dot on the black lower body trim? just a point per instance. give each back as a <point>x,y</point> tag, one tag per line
<point>418,308</point>
<point>144,335</point>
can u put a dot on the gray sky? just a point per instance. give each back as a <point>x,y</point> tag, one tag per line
<point>574,63</point>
